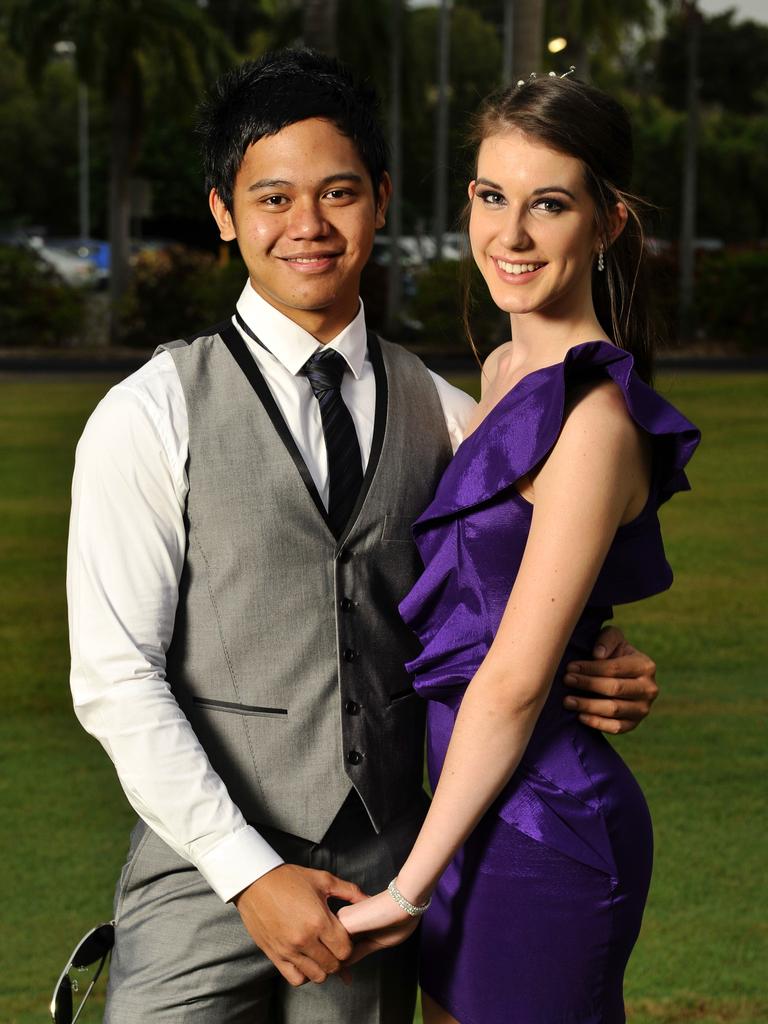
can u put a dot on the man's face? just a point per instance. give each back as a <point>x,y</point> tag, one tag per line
<point>304,215</point>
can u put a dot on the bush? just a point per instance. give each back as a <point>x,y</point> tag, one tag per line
<point>437,305</point>
<point>36,307</point>
<point>731,299</point>
<point>175,292</point>
<point>730,294</point>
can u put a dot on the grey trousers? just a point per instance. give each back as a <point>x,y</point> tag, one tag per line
<point>182,955</point>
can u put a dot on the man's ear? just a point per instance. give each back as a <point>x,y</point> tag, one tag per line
<point>382,200</point>
<point>222,216</point>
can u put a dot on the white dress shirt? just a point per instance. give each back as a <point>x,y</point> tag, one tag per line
<point>126,553</point>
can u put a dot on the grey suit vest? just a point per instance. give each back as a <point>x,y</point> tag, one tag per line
<point>287,653</point>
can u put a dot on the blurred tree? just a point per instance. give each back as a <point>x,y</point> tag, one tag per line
<point>319,28</point>
<point>40,188</point>
<point>117,41</point>
<point>252,28</point>
<point>365,39</point>
<point>475,62</point>
<point>528,20</point>
<point>734,62</point>
<point>593,27</point>
<point>527,37</point>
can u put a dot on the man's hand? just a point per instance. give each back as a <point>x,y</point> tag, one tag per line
<point>623,680</point>
<point>286,914</point>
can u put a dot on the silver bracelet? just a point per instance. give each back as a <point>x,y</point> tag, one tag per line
<point>403,903</point>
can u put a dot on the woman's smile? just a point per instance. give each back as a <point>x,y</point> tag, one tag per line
<point>532,226</point>
<point>520,273</point>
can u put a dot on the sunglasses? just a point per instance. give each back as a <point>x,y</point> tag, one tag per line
<point>94,947</point>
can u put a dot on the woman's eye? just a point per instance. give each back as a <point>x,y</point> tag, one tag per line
<point>549,205</point>
<point>490,198</point>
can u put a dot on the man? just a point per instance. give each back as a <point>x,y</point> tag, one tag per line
<point>240,541</point>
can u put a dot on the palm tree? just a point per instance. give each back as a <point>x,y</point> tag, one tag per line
<point>117,42</point>
<point>527,36</point>
<point>320,25</point>
<point>593,24</point>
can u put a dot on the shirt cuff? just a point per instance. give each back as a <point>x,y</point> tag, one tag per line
<point>233,864</point>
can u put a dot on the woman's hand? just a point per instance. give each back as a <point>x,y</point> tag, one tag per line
<point>375,924</point>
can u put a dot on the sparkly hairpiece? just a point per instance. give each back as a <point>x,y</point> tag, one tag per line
<point>552,74</point>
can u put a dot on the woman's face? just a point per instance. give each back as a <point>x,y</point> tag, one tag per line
<point>532,226</point>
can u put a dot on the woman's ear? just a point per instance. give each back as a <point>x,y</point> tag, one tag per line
<point>471,187</point>
<point>618,221</point>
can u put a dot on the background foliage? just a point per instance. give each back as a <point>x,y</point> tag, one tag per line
<point>634,48</point>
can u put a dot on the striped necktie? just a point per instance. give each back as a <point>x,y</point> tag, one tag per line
<point>325,370</point>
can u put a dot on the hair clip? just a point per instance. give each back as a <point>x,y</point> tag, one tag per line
<point>551,74</point>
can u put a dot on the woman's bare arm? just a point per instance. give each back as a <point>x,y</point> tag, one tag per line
<point>596,471</point>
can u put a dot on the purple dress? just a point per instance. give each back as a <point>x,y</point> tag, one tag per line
<point>535,917</point>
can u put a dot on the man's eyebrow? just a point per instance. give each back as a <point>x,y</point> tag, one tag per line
<point>283,183</point>
<point>342,176</point>
<point>269,183</point>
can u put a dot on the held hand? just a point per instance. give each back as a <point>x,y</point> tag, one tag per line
<point>286,914</point>
<point>375,924</point>
<point>623,680</point>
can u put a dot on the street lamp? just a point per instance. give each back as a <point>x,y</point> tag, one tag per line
<point>67,48</point>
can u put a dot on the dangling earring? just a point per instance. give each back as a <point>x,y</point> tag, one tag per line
<point>601,259</point>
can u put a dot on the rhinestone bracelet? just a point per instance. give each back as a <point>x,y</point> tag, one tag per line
<point>406,905</point>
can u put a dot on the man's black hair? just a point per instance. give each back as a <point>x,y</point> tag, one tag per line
<point>261,97</point>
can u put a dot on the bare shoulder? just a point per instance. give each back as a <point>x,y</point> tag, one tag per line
<point>599,410</point>
<point>599,448</point>
<point>493,363</point>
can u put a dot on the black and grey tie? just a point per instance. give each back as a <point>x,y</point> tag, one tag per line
<point>325,371</point>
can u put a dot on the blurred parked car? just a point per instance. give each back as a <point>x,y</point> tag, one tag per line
<point>73,269</point>
<point>410,251</point>
<point>655,246</point>
<point>93,252</point>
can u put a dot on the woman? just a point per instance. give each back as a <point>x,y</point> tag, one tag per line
<point>536,851</point>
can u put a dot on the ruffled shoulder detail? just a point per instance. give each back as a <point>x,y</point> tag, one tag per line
<point>522,428</point>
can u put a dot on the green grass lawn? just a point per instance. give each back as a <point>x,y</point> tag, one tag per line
<point>701,759</point>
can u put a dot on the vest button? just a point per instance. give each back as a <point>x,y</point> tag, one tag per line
<point>346,604</point>
<point>352,707</point>
<point>354,757</point>
<point>350,654</point>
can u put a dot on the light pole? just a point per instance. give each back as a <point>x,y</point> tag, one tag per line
<point>395,277</point>
<point>66,48</point>
<point>509,42</point>
<point>441,132</point>
<point>690,160</point>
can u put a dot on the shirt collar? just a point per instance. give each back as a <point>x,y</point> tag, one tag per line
<point>291,344</point>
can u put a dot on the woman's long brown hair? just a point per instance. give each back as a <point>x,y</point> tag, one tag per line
<point>583,122</point>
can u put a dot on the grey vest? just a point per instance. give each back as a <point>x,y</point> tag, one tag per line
<point>288,650</point>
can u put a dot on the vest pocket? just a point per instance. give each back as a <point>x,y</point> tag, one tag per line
<point>238,709</point>
<point>395,698</point>
<point>397,529</point>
